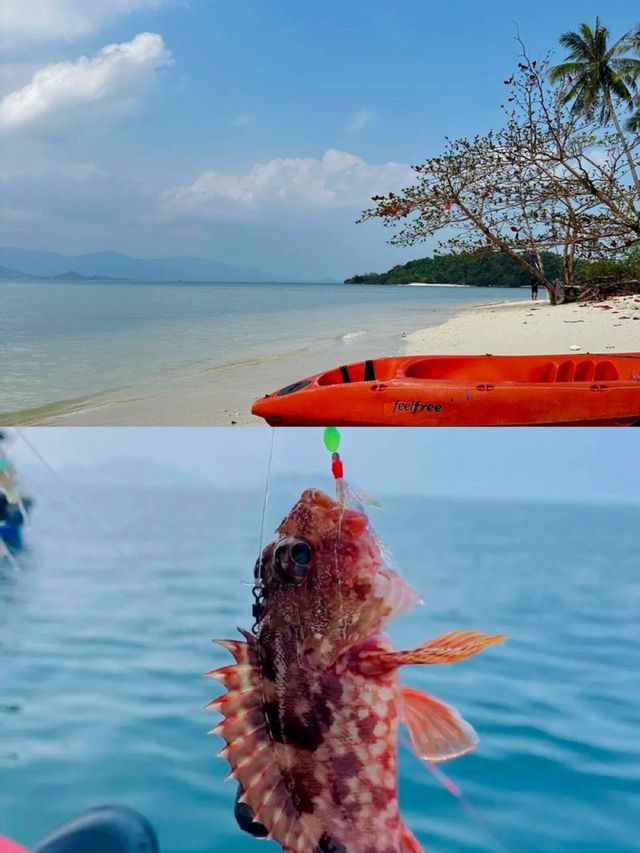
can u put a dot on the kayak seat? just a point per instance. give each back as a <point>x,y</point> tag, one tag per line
<point>570,371</point>
<point>473,369</point>
<point>481,369</point>
<point>586,371</point>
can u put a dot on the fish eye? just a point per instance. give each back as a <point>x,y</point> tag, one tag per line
<point>301,553</point>
<point>292,558</point>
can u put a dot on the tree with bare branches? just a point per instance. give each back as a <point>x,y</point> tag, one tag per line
<point>554,178</point>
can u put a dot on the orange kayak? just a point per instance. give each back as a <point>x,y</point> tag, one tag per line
<point>464,390</point>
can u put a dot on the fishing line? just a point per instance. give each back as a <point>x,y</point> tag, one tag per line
<point>266,492</point>
<point>93,520</point>
<point>257,579</point>
<point>450,786</point>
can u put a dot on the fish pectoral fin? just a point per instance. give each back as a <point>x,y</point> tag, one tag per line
<point>408,842</point>
<point>452,647</point>
<point>447,648</point>
<point>437,731</point>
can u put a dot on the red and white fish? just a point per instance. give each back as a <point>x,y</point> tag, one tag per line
<point>313,701</point>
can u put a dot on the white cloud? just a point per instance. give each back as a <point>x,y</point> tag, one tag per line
<point>57,91</point>
<point>30,22</point>
<point>359,120</point>
<point>338,179</point>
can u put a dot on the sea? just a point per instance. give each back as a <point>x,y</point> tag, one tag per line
<point>60,341</point>
<point>106,628</point>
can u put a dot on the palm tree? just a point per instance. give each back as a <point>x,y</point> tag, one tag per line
<point>634,122</point>
<point>601,76</point>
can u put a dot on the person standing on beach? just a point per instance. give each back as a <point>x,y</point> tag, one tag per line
<point>535,261</point>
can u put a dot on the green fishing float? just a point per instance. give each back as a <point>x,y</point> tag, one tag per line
<point>331,439</point>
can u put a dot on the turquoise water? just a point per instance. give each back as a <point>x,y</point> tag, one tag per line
<point>102,647</point>
<point>60,340</point>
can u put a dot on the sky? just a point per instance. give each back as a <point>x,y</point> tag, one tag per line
<point>577,465</point>
<point>252,132</point>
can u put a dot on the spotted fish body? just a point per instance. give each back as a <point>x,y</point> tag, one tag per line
<point>313,701</point>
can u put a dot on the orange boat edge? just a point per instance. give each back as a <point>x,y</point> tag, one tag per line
<point>464,390</point>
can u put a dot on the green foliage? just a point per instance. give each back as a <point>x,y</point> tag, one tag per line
<point>483,269</point>
<point>626,266</point>
<point>599,72</point>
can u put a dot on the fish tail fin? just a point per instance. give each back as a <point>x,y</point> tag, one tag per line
<point>408,842</point>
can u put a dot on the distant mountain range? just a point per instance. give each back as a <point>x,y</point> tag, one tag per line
<point>22,263</point>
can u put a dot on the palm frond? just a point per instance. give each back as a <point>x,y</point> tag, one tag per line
<point>619,88</point>
<point>559,72</point>
<point>622,45</point>
<point>575,44</point>
<point>601,36</point>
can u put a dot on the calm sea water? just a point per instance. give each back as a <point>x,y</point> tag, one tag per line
<point>60,340</point>
<point>103,643</point>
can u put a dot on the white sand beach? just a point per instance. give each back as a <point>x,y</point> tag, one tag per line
<point>535,328</point>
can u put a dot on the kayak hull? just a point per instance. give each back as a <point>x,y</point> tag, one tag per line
<point>551,390</point>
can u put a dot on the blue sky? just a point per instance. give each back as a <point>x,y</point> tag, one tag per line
<point>207,130</point>
<point>523,464</point>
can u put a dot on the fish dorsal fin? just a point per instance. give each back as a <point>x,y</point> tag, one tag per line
<point>250,750</point>
<point>437,731</point>
<point>408,842</point>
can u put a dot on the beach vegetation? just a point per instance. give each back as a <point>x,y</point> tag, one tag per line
<point>481,268</point>
<point>602,75</point>
<point>625,266</point>
<point>558,179</point>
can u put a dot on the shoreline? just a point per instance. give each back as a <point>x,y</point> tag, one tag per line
<point>190,398</point>
<point>206,395</point>
<point>534,328</point>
